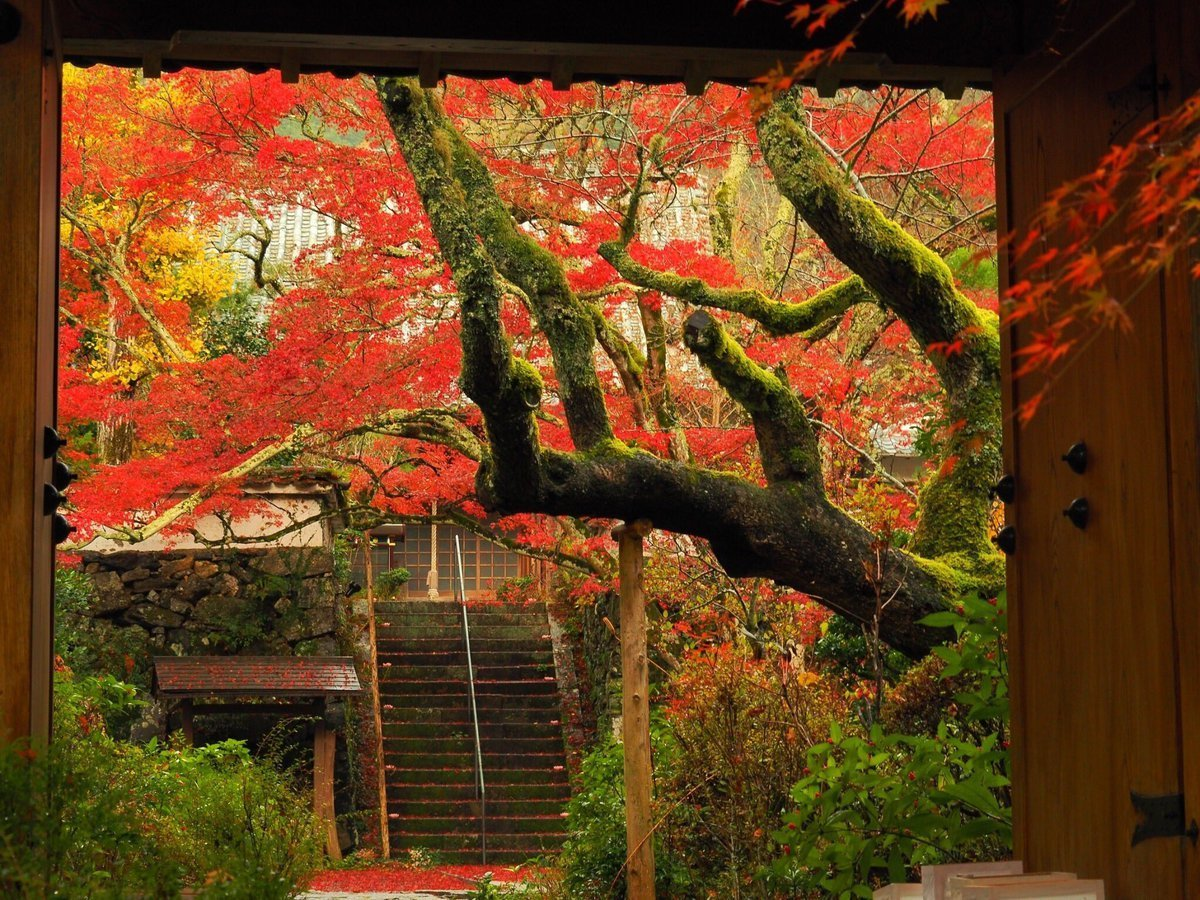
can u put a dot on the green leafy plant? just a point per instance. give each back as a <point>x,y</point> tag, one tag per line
<point>487,889</point>
<point>389,583</point>
<point>873,807</point>
<point>743,726</point>
<point>593,858</point>
<point>90,816</point>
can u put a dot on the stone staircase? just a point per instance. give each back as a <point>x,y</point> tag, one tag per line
<point>428,737</point>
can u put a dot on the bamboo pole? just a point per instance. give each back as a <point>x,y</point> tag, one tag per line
<point>635,688</point>
<point>385,843</point>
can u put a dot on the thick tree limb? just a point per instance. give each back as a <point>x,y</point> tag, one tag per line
<point>506,388</point>
<point>907,276</point>
<point>915,284</point>
<point>786,441</point>
<point>658,389</point>
<point>630,366</point>
<point>787,531</point>
<point>566,321</point>
<point>724,212</point>
<point>777,316</point>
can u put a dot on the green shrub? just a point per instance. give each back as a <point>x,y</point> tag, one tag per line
<point>743,726</point>
<point>389,582</point>
<point>593,858</point>
<point>94,817</point>
<point>876,806</point>
<point>95,646</point>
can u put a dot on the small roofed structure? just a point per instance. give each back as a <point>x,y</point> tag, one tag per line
<point>255,676</point>
<point>272,685</point>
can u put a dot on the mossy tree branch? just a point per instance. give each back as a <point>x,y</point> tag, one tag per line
<point>566,321</point>
<point>777,316</point>
<point>787,530</point>
<point>724,212</point>
<point>959,339</point>
<point>507,389</point>
<point>786,442</point>
<point>658,388</point>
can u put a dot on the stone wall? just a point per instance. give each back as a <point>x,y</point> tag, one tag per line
<point>271,601</point>
<point>600,648</point>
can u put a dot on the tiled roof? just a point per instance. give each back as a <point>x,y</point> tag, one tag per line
<point>293,676</point>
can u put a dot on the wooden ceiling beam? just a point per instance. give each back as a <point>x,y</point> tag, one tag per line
<point>561,63</point>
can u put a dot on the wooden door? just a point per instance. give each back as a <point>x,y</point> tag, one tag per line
<point>1177,45</point>
<point>29,110</point>
<point>1096,699</point>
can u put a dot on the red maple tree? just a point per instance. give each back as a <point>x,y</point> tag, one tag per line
<point>491,318</point>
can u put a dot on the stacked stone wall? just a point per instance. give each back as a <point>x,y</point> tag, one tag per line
<point>272,601</point>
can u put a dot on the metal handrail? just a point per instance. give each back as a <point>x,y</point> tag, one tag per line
<point>480,787</point>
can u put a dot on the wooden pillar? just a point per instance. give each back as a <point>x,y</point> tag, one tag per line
<point>385,843</point>
<point>1177,62</point>
<point>188,724</point>
<point>324,747</point>
<point>635,688</point>
<point>29,109</point>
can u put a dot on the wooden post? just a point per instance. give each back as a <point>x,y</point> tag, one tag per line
<point>29,107</point>
<point>324,747</point>
<point>385,842</point>
<point>188,724</point>
<point>635,687</point>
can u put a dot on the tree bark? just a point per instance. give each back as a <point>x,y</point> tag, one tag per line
<point>787,530</point>
<point>635,714</point>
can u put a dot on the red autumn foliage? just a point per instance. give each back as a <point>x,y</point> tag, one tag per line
<point>165,388</point>
<point>396,877</point>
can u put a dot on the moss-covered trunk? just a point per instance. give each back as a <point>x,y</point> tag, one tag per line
<point>787,530</point>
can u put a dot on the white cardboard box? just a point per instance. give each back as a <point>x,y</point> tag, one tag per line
<point>961,886</point>
<point>1028,889</point>
<point>933,878</point>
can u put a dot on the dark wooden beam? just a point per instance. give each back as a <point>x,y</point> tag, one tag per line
<point>29,108</point>
<point>269,709</point>
<point>561,63</point>
<point>324,748</point>
<point>978,33</point>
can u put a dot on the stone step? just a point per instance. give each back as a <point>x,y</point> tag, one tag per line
<point>484,701</point>
<point>399,775</point>
<point>464,742</point>
<point>531,844</point>
<point>401,656</point>
<point>488,731</point>
<point>409,645</point>
<point>400,670</point>
<point>414,632</point>
<point>469,809</point>
<point>496,825</point>
<point>402,687</point>
<point>453,620</point>
<point>448,607</point>
<point>555,792</point>
<point>405,758</point>
<point>417,710</point>
<point>511,858</point>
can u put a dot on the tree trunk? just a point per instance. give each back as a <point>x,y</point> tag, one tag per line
<point>786,530</point>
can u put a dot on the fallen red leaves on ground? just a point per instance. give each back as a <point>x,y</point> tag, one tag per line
<point>397,877</point>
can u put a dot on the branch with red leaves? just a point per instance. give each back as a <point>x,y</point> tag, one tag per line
<point>788,530</point>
